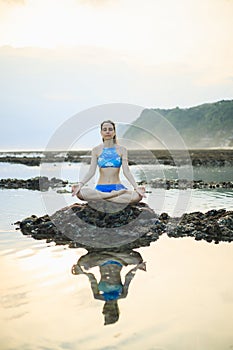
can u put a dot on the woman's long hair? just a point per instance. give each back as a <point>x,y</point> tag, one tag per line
<point>114,127</point>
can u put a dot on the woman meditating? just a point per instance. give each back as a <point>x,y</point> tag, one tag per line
<point>109,157</point>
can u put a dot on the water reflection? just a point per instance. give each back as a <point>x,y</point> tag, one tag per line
<point>110,287</point>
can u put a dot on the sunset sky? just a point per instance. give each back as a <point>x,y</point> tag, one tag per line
<point>60,57</point>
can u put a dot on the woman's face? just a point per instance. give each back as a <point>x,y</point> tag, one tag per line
<point>107,131</point>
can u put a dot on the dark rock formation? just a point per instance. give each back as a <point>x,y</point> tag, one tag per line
<point>213,226</point>
<point>112,226</point>
<point>184,184</point>
<point>30,161</point>
<point>37,183</point>
<point>43,183</point>
<point>81,225</point>
<point>196,157</point>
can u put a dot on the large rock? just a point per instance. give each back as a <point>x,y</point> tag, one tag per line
<point>115,226</point>
<point>111,225</point>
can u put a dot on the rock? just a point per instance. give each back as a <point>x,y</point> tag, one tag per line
<point>111,225</point>
<point>39,183</point>
<point>183,184</point>
<point>198,157</point>
<point>43,183</point>
<point>214,225</point>
<point>226,222</point>
<point>164,217</point>
<point>114,225</point>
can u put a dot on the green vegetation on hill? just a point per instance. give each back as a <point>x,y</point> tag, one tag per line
<point>207,125</point>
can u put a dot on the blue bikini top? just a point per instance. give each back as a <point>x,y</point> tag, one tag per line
<point>109,158</point>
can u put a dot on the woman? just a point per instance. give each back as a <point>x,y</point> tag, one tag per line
<point>109,157</point>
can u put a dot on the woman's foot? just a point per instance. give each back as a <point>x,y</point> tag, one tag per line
<point>129,197</point>
<point>113,194</point>
<point>88,194</point>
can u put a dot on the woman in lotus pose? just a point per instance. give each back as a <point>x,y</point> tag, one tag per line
<point>109,157</point>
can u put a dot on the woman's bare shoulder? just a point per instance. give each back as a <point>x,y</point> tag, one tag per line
<point>122,149</point>
<point>97,149</point>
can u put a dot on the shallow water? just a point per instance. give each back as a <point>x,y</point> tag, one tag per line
<point>70,171</point>
<point>183,301</point>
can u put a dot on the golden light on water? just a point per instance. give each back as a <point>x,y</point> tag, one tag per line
<point>183,300</point>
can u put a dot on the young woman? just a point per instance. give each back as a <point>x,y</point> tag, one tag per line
<point>109,157</point>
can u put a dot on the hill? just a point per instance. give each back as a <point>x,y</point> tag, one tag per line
<point>203,126</point>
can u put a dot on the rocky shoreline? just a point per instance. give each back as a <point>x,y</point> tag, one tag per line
<point>81,225</point>
<point>43,183</point>
<point>184,184</point>
<point>39,183</point>
<point>204,157</point>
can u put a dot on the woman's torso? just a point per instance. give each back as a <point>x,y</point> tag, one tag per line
<point>110,273</point>
<point>109,162</point>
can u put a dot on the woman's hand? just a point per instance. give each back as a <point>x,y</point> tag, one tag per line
<point>142,266</point>
<point>76,188</point>
<point>77,270</point>
<point>141,191</point>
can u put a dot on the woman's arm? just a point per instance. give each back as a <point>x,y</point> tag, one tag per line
<point>127,173</point>
<point>77,270</point>
<point>89,174</point>
<point>130,275</point>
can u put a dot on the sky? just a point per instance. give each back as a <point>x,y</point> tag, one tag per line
<point>61,57</point>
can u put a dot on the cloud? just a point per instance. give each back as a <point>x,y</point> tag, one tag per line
<point>95,3</point>
<point>60,97</point>
<point>42,87</point>
<point>6,7</point>
<point>13,2</point>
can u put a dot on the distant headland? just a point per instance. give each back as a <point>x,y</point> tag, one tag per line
<point>209,125</point>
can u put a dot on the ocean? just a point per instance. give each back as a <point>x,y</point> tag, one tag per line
<point>183,300</point>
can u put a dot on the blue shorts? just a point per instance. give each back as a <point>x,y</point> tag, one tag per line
<point>110,187</point>
<point>110,291</point>
<point>114,262</point>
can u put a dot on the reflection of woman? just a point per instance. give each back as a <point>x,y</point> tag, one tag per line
<point>109,156</point>
<point>110,287</point>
